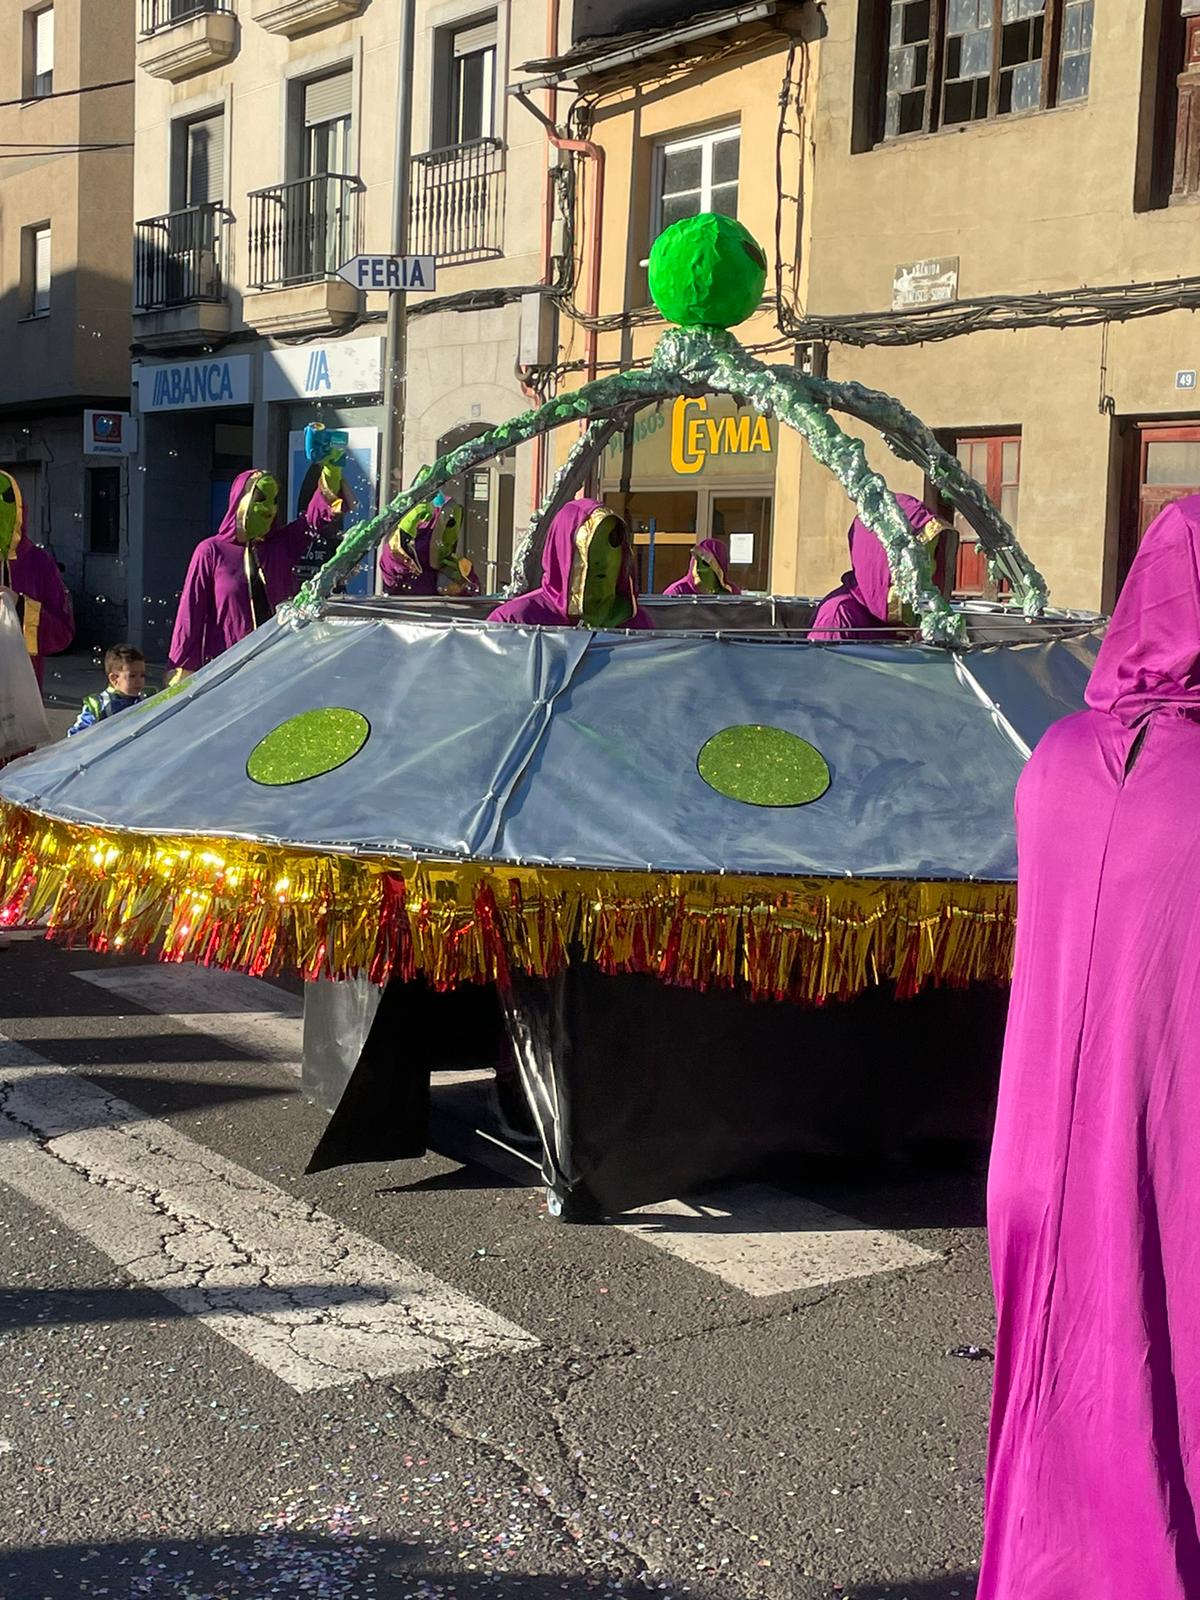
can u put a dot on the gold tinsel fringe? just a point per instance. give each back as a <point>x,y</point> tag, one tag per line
<point>263,909</point>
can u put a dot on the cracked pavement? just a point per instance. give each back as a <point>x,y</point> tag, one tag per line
<point>219,1378</point>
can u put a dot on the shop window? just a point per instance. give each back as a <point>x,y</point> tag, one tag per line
<point>39,53</point>
<point>994,461</point>
<point>36,269</point>
<point>930,64</point>
<point>699,173</point>
<point>465,83</point>
<point>104,511</point>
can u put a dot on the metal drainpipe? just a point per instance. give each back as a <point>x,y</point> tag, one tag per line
<point>395,364</point>
<point>583,147</point>
<point>539,444</point>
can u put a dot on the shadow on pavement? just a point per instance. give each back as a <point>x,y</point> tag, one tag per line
<point>149,1096</point>
<point>44,1308</point>
<point>951,1586</point>
<point>286,1564</point>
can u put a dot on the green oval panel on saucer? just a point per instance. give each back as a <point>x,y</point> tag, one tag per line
<point>763,766</point>
<point>306,746</point>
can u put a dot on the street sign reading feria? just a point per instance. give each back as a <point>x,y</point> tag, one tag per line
<point>391,274</point>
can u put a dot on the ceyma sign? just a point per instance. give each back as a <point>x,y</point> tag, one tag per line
<point>697,439</point>
<point>195,385</point>
<point>697,436</point>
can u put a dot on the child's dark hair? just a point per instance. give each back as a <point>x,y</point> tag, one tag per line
<point>121,655</point>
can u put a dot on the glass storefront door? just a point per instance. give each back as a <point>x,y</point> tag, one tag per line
<point>743,521</point>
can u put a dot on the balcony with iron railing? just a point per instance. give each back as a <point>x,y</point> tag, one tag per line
<point>303,230</point>
<point>179,292</point>
<point>299,234</point>
<point>458,202</point>
<point>179,258</point>
<point>178,38</point>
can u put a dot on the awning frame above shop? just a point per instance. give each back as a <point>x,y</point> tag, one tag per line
<point>601,56</point>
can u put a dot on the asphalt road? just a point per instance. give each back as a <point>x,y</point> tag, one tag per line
<point>219,1378</point>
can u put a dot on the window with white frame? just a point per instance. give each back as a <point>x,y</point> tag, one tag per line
<point>39,70</point>
<point>36,269</point>
<point>465,64</point>
<point>699,173</point>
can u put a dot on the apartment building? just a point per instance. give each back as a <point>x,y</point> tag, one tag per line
<point>66,194</point>
<point>986,207</point>
<point>999,183</point>
<point>265,141</point>
<point>693,111</point>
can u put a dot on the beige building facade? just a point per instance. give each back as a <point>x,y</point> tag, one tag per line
<point>66,203</point>
<point>265,143</point>
<point>914,169</point>
<point>1024,150</point>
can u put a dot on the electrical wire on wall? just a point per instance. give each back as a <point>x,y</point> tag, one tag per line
<point>1085,306</point>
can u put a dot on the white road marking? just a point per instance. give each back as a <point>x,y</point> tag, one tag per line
<point>766,1241</point>
<point>310,1300</point>
<point>247,1014</point>
<point>755,1238</point>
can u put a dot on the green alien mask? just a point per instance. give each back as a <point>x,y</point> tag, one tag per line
<point>599,559</point>
<point>705,574</point>
<point>10,515</point>
<point>257,508</point>
<point>444,549</point>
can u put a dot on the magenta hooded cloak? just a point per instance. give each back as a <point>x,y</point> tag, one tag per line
<point>717,552</point>
<point>398,578</point>
<point>33,573</point>
<point>214,608</point>
<point>860,602</point>
<point>1094,1196</point>
<point>547,605</point>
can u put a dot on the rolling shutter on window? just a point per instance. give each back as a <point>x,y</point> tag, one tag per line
<point>327,99</point>
<point>468,40</point>
<point>206,162</point>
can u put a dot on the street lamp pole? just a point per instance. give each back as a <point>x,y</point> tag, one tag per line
<point>395,361</point>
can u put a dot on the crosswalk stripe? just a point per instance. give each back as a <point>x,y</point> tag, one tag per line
<point>765,1241</point>
<point>247,1014</point>
<point>756,1238</point>
<point>312,1301</point>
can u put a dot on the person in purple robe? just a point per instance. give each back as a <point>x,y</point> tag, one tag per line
<point>238,577</point>
<point>1093,1483</point>
<point>708,571</point>
<point>866,600</point>
<point>587,575</point>
<point>31,574</point>
<point>421,557</point>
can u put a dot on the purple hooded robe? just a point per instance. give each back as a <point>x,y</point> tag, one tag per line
<point>214,608</point>
<point>861,599</point>
<point>717,552</point>
<point>548,605</point>
<point>33,573</point>
<point>1094,1195</point>
<point>398,578</point>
